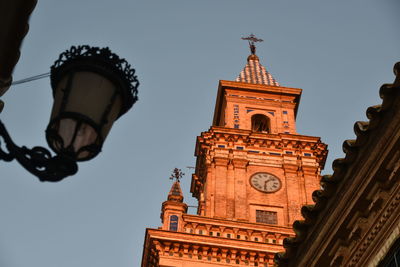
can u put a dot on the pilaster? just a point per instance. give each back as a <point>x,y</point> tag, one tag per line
<point>241,209</point>
<point>230,205</point>
<point>220,186</point>
<point>293,192</point>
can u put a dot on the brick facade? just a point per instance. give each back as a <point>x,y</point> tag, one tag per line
<point>253,173</point>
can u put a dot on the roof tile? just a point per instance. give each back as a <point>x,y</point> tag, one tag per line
<point>331,182</point>
<point>256,73</point>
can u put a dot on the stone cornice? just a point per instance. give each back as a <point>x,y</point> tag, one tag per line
<point>212,241</point>
<point>260,142</point>
<point>171,246</point>
<point>260,87</point>
<point>188,218</point>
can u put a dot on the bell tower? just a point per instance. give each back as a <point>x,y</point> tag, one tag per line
<point>252,165</point>
<point>253,173</point>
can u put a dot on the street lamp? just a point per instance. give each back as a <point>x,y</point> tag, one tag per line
<point>92,87</point>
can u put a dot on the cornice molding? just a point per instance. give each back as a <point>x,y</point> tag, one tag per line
<point>356,204</point>
<point>188,247</point>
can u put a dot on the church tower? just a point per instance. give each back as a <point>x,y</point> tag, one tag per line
<point>253,173</point>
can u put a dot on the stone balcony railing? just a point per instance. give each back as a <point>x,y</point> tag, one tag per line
<point>256,232</point>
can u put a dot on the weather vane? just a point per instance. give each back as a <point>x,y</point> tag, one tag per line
<point>177,174</point>
<point>252,39</point>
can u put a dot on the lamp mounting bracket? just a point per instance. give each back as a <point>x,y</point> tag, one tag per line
<point>37,160</point>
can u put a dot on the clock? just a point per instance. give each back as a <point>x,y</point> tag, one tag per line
<point>265,182</point>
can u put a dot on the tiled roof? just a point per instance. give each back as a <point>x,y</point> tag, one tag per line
<point>176,192</point>
<point>256,73</point>
<point>325,197</point>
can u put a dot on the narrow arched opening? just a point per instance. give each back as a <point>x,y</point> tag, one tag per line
<point>173,223</point>
<point>260,123</point>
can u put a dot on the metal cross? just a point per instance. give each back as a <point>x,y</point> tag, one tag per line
<point>176,174</point>
<point>252,39</point>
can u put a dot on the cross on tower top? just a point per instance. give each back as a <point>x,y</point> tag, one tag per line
<point>252,39</point>
<point>177,174</point>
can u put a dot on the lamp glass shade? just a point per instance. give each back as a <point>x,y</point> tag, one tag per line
<point>86,104</point>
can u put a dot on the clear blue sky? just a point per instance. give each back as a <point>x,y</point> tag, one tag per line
<point>338,52</point>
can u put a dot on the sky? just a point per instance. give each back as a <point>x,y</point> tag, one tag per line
<point>338,52</point>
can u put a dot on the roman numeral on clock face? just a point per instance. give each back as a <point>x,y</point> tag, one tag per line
<point>265,182</point>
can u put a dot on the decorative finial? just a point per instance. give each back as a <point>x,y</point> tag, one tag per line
<point>252,39</point>
<point>177,174</point>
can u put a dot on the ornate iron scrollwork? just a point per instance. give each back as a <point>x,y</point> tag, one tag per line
<point>37,160</point>
<point>117,68</point>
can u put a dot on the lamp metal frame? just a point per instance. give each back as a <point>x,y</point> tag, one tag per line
<point>39,160</point>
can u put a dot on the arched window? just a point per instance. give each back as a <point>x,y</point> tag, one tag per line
<point>260,123</point>
<point>173,223</point>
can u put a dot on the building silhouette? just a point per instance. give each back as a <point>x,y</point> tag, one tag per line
<point>355,220</point>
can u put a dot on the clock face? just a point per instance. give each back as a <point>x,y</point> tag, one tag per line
<point>265,182</point>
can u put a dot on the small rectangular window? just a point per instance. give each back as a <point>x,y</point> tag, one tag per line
<point>218,234</point>
<point>238,236</point>
<point>284,112</point>
<point>307,154</point>
<point>268,217</point>
<point>228,235</point>
<point>173,223</point>
<point>221,146</point>
<point>236,126</point>
<point>200,232</point>
<point>211,233</point>
<point>289,152</point>
<point>239,147</point>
